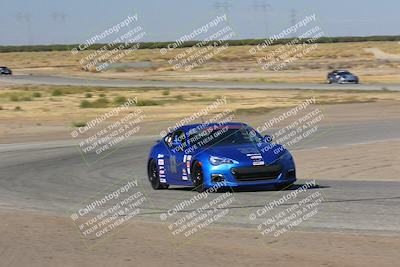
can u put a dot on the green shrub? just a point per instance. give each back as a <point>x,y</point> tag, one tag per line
<point>166,92</point>
<point>179,97</point>
<point>98,103</point>
<point>14,98</point>
<point>36,94</point>
<point>18,108</point>
<point>26,98</point>
<point>85,104</point>
<point>146,102</point>
<point>57,92</point>
<point>102,95</point>
<point>120,69</point>
<point>88,95</point>
<point>79,124</point>
<point>119,100</point>
<point>196,94</point>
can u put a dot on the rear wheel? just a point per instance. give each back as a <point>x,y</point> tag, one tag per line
<point>197,177</point>
<point>154,177</point>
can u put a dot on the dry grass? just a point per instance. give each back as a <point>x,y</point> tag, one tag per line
<point>65,108</point>
<point>233,64</point>
<point>52,117</point>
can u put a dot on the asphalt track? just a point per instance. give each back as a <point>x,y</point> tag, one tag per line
<point>52,177</point>
<point>59,80</point>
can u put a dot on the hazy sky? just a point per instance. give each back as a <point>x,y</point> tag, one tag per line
<point>73,21</point>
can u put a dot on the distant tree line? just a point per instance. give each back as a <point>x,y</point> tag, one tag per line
<point>158,45</point>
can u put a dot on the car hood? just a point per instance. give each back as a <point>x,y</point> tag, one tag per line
<point>246,153</point>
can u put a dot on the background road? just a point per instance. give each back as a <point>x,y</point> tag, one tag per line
<point>56,80</point>
<point>52,177</point>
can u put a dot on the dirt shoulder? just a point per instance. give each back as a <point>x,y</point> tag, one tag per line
<point>32,239</point>
<point>363,162</point>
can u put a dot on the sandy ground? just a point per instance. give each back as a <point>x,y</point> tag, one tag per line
<point>29,239</point>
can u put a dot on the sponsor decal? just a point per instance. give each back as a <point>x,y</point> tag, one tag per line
<point>188,161</point>
<point>256,158</point>
<point>161,168</point>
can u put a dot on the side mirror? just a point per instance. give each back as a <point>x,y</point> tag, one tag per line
<point>267,138</point>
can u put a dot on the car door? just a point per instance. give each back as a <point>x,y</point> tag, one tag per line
<point>177,158</point>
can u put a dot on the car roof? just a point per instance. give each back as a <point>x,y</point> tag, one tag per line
<point>191,126</point>
<point>341,71</point>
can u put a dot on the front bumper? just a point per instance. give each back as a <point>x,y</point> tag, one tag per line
<point>246,176</point>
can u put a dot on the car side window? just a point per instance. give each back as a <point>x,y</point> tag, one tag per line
<point>176,140</point>
<point>179,141</point>
<point>168,140</point>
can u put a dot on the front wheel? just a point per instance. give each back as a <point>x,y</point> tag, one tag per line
<point>197,177</point>
<point>154,177</point>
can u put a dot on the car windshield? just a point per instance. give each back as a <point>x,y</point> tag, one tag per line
<point>223,135</point>
<point>344,73</point>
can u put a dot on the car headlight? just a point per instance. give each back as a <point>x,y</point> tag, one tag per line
<point>218,160</point>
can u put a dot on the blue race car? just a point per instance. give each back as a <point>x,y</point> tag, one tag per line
<point>228,154</point>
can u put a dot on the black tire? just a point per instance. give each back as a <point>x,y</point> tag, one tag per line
<point>154,179</point>
<point>197,177</point>
<point>329,81</point>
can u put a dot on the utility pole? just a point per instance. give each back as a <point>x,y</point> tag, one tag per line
<point>25,18</point>
<point>222,6</point>
<point>293,19</point>
<point>263,6</point>
<point>60,18</point>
